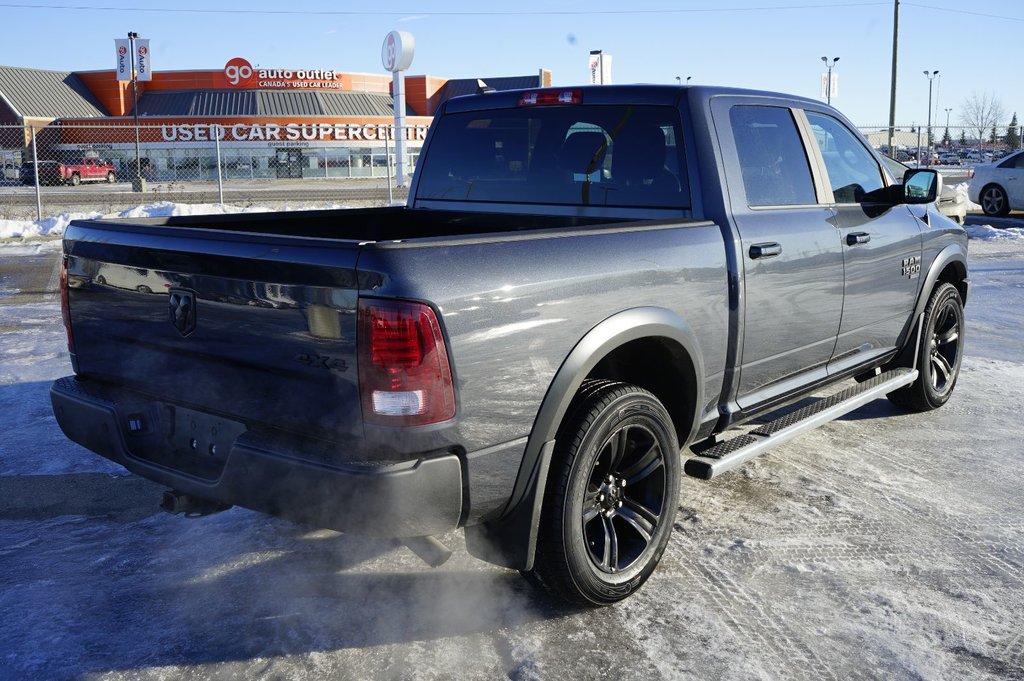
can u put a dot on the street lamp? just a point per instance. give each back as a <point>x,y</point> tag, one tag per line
<point>679,81</point>
<point>930,75</point>
<point>828,83</point>
<point>137,184</point>
<point>947,121</point>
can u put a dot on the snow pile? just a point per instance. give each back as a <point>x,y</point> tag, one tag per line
<point>990,233</point>
<point>31,229</point>
<point>55,226</point>
<point>961,189</point>
<point>167,208</point>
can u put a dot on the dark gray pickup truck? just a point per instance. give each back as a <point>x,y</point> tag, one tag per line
<point>588,288</point>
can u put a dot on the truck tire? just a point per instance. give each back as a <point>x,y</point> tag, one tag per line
<point>939,355</point>
<point>611,496</point>
<point>76,179</point>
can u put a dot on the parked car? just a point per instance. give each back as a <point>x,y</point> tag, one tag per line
<point>49,173</point>
<point>999,187</point>
<point>951,203</point>
<point>82,170</point>
<point>949,158</point>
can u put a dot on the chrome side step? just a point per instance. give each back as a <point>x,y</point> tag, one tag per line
<point>727,455</point>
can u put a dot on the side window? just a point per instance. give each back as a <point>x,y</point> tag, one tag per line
<point>773,160</point>
<point>852,169</point>
<point>1013,162</point>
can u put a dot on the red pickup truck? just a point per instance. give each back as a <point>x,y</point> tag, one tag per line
<point>83,170</point>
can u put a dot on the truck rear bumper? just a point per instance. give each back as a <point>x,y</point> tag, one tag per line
<point>408,499</point>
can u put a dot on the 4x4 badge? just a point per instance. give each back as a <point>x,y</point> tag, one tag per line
<point>182,310</point>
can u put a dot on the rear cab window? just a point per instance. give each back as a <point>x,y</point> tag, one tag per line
<point>772,159</point>
<point>590,155</point>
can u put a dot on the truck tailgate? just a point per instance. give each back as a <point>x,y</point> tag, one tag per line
<point>258,328</point>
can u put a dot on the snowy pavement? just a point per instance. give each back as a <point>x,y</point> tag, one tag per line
<point>884,545</point>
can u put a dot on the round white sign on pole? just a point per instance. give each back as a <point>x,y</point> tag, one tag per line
<point>396,53</point>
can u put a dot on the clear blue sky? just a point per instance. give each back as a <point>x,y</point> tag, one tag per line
<point>768,44</point>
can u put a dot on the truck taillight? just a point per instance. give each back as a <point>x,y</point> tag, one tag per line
<point>549,97</point>
<point>65,303</point>
<point>404,375</point>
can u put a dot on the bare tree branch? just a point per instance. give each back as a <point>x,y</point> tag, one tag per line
<point>981,113</point>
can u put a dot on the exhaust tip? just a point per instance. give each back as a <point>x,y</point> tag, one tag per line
<point>429,549</point>
<point>175,502</point>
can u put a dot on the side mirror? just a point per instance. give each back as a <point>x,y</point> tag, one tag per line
<point>921,185</point>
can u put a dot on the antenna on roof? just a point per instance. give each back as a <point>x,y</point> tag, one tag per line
<point>482,87</point>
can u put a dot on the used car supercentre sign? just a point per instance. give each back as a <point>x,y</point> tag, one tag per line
<point>239,73</point>
<point>288,132</point>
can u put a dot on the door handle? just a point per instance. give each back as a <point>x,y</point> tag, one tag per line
<point>769,250</point>
<point>857,238</point>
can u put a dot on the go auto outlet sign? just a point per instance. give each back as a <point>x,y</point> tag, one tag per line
<point>239,73</point>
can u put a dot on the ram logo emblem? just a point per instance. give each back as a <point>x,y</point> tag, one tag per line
<point>182,312</point>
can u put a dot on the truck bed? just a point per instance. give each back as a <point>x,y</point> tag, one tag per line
<point>368,224</point>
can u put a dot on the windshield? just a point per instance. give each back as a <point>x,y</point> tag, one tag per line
<point>627,156</point>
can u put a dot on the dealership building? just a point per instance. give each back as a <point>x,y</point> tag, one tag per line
<point>261,122</point>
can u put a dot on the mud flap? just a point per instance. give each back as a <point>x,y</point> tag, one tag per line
<point>511,541</point>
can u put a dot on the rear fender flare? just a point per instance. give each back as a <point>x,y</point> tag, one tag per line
<point>511,540</point>
<point>612,333</point>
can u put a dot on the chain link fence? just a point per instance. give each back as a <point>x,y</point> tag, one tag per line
<point>55,169</point>
<point>953,145</point>
<point>110,168</point>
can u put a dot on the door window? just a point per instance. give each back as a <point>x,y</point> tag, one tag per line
<point>1013,162</point>
<point>852,169</point>
<point>772,158</point>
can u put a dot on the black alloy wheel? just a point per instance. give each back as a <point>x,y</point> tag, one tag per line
<point>612,495</point>
<point>939,354</point>
<point>944,346</point>
<point>625,498</point>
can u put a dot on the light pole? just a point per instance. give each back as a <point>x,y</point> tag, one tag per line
<point>828,82</point>
<point>137,184</point>
<point>948,111</point>
<point>931,77</point>
<point>688,79</point>
<point>679,81</point>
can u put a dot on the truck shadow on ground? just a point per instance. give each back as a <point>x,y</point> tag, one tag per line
<point>123,498</point>
<point>88,557</point>
<point>232,588</point>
